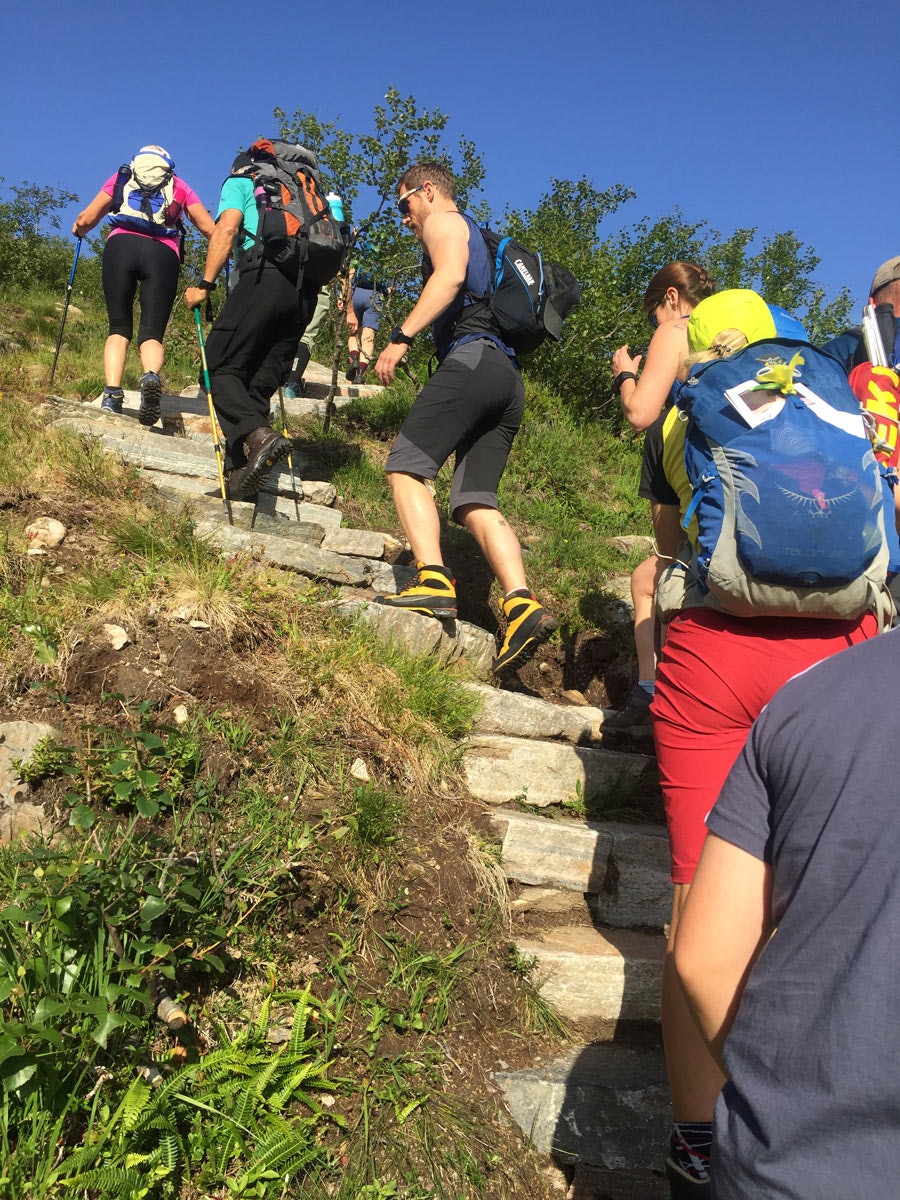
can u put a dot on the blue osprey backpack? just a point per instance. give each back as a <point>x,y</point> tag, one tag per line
<point>786,489</point>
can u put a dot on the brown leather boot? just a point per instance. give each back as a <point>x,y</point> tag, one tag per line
<point>264,449</point>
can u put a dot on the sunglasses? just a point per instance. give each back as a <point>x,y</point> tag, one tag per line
<point>653,319</point>
<point>403,202</point>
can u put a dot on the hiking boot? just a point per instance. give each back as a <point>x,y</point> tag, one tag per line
<point>683,1186</point>
<point>264,449</point>
<point>151,391</point>
<point>111,400</point>
<point>432,593</point>
<point>634,719</point>
<point>361,372</point>
<point>293,391</point>
<point>353,368</point>
<point>232,488</point>
<point>527,626</point>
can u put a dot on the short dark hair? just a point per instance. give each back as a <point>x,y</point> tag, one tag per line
<point>434,172</point>
<point>689,281</point>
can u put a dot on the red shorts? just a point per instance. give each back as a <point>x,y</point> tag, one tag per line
<point>716,675</point>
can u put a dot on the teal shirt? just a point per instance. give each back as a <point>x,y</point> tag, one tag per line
<point>238,193</point>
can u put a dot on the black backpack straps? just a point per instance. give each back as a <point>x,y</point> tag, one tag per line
<point>146,206</point>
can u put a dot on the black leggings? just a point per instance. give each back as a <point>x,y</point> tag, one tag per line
<point>129,259</point>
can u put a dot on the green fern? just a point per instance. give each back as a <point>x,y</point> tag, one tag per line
<point>134,1104</point>
<point>111,1182</point>
<point>234,1110</point>
<point>282,1151</point>
<point>170,1152</point>
<point>298,1043</point>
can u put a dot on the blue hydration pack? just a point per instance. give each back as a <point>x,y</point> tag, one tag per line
<point>786,490</point>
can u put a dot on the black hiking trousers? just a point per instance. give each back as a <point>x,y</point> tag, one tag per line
<point>250,349</point>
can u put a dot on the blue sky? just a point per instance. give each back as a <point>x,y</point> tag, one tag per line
<point>780,115</point>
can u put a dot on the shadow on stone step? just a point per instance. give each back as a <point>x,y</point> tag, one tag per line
<point>614,1116</point>
<point>600,1106</point>
<point>323,457</point>
<point>594,1183</point>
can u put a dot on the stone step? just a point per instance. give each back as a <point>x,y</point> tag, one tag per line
<point>298,522</point>
<point>288,553</point>
<point>205,493</point>
<point>596,980</point>
<point>161,450</point>
<point>449,641</point>
<point>606,1106</point>
<point>192,403</point>
<point>500,769</point>
<point>517,715</point>
<point>317,379</point>
<point>599,982</point>
<point>620,871</point>
<point>636,1183</point>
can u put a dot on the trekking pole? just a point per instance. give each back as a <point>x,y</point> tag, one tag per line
<point>338,322</point>
<point>217,445</point>
<point>872,337</point>
<point>290,457</point>
<point>62,323</point>
<point>344,297</point>
<point>409,373</point>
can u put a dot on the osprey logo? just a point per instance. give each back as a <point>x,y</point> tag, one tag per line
<point>524,272</point>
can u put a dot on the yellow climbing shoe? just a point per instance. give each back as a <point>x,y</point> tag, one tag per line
<point>432,593</point>
<point>527,626</point>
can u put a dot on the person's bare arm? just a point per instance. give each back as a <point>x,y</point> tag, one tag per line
<point>200,216</point>
<point>643,401</point>
<point>445,237</point>
<point>90,216</point>
<point>725,923</point>
<point>220,245</point>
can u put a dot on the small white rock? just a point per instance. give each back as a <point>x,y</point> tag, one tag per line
<point>198,625</point>
<point>180,715</point>
<point>358,771</point>
<point>116,636</point>
<point>45,532</point>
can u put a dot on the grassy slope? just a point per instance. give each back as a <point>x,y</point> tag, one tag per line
<point>234,860</point>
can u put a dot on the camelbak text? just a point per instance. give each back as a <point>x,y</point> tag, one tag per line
<point>523,271</point>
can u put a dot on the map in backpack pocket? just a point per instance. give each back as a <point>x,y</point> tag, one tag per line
<point>753,403</point>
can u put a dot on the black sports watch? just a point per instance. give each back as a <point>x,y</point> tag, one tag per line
<point>206,285</point>
<point>397,335</point>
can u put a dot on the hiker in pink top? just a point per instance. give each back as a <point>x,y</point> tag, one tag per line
<point>145,201</point>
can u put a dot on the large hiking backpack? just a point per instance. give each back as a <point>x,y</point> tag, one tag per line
<point>144,193</point>
<point>878,392</point>
<point>786,490</point>
<point>297,231</point>
<point>529,297</point>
